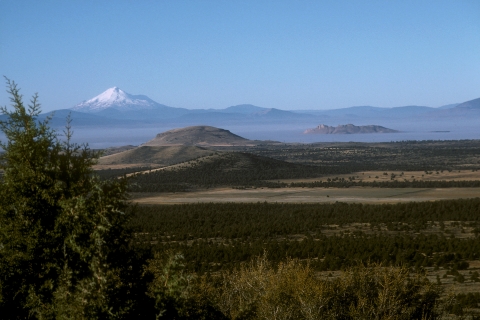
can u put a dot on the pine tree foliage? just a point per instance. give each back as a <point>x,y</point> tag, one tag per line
<point>62,230</point>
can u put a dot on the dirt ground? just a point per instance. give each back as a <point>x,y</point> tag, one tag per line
<point>309,195</point>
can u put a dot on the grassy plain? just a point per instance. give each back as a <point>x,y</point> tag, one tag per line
<point>308,195</point>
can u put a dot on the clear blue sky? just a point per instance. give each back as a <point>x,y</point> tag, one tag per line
<point>274,54</point>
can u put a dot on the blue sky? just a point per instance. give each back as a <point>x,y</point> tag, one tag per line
<point>274,54</point>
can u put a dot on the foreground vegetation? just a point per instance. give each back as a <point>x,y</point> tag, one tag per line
<point>292,290</point>
<point>72,247</point>
<point>217,240</point>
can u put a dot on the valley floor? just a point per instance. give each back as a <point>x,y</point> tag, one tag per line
<point>308,195</point>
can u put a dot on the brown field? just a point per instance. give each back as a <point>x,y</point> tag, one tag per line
<point>309,195</point>
<point>370,176</point>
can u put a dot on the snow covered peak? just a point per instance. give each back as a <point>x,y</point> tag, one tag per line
<point>115,98</point>
<point>110,95</point>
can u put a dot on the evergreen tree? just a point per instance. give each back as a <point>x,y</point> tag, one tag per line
<point>63,242</point>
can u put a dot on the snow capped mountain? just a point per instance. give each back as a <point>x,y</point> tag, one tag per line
<point>115,98</point>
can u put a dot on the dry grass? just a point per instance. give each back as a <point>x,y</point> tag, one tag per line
<point>152,156</point>
<point>309,195</point>
<point>370,176</point>
<point>125,166</point>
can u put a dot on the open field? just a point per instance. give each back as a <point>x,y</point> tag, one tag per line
<point>308,195</point>
<point>379,176</point>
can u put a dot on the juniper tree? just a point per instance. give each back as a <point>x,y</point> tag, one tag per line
<point>63,242</point>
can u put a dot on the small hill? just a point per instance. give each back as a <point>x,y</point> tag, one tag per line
<point>198,136</point>
<point>113,150</point>
<point>348,129</point>
<point>155,156</point>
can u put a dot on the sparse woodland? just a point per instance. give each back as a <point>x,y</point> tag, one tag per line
<point>263,166</point>
<point>73,247</point>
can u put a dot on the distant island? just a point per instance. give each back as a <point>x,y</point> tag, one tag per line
<point>348,129</point>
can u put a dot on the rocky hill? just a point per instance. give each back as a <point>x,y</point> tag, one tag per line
<point>198,136</point>
<point>348,129</point>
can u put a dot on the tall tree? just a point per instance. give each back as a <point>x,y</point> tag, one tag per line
<point>62,231</point>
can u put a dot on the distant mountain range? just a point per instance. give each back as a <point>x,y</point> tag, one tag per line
<point>115,106</point>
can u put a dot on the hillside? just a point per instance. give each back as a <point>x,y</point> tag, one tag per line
<point>221,169</point>
<point>472,104</point>
<point>198,136</point>
<point>155,156</point>
<point>348,129</point>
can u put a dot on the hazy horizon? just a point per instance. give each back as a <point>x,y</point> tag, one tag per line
<point>313,55</point>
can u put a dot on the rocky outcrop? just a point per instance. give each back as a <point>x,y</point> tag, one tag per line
<point>348,129</point>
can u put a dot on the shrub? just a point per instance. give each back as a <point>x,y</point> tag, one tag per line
<point>292,290</point>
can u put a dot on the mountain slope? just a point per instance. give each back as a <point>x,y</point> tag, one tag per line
<point>117,104</point>
<point>117,99</point>
<point>472,104</point>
